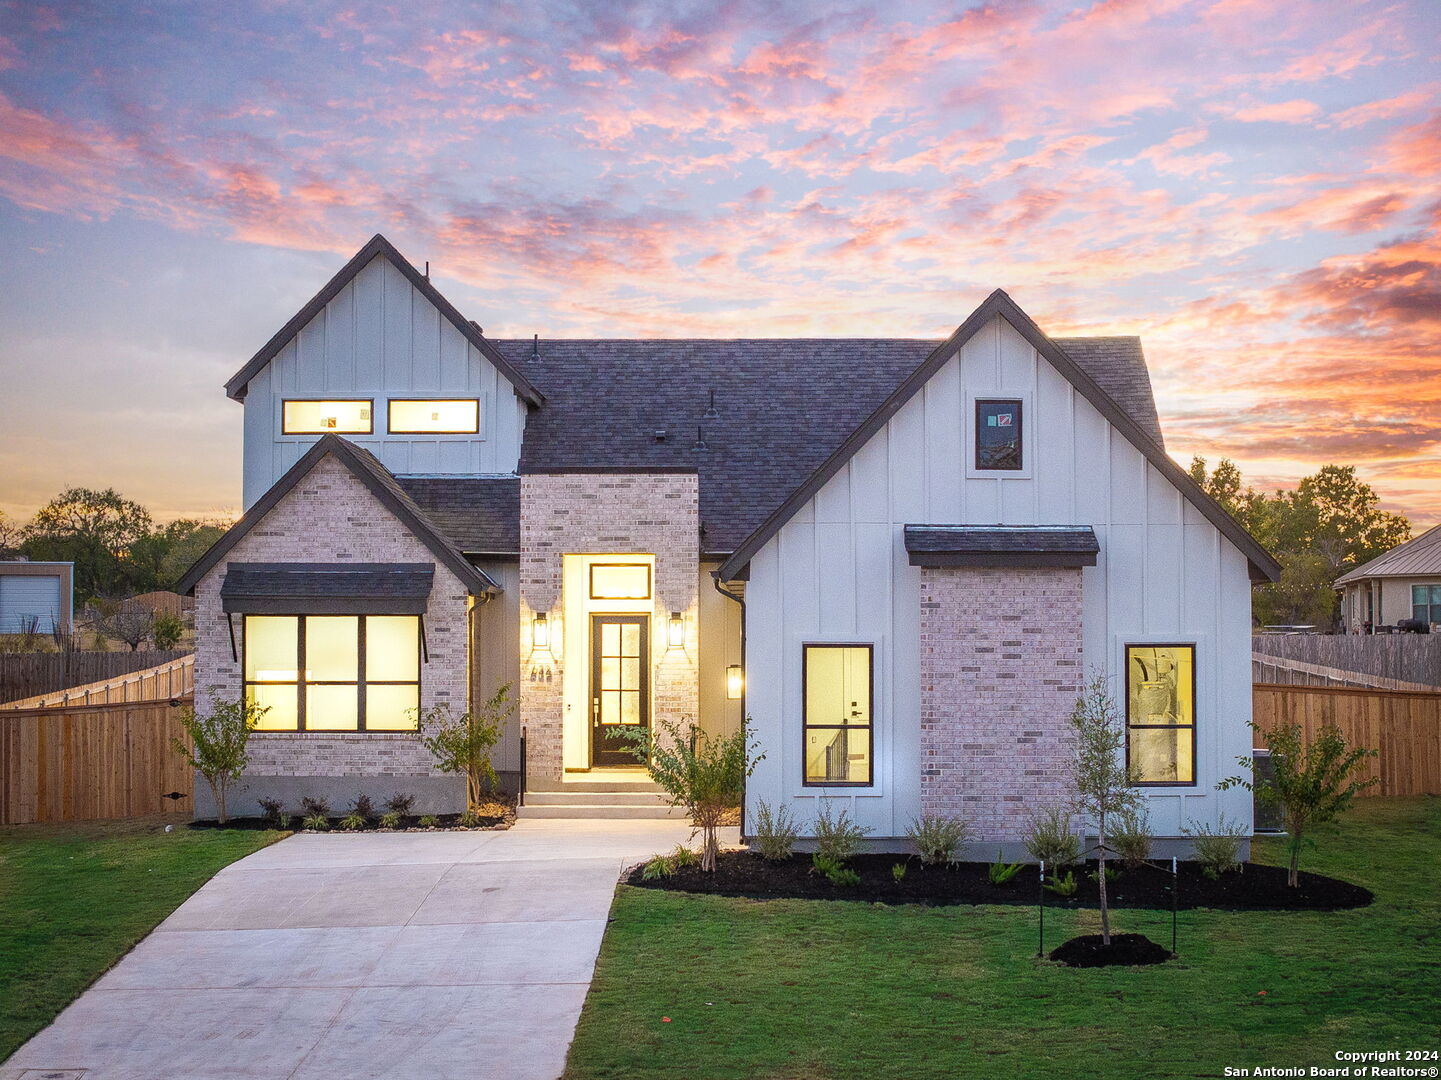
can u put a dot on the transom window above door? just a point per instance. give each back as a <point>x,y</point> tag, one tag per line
<point>620,581</point>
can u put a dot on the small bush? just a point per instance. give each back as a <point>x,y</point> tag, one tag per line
<point>1111,875</point>
<point>662,866</point>
<point>1129,835</point>
<point>363,806</point>
<point>1049,838</point>
<point>845,878</point>
<point>316,822</point>
<point>683,856</point>
<point>898,871</point>
<point>1218,849</point>
<point>1062,885</point>
<point>1002,872</point>
<point>315,807</point>
<point>834,870</point>
<point>354,822</point>
<point>428,821</point>
<point>838,838</point>
<point>470,820</point>
<point>776,832</point>
<point>400,803</point>
<point>390,820</point>
<point>272,812</point>
<point>937,837</point>
<point>167,630</point>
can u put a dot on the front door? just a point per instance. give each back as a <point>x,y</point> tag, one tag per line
<point>619,685</point>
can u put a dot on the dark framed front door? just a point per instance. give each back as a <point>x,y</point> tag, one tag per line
<point>619,685</point>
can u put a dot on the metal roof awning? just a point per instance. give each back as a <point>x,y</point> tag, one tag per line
<point>327,588</point>
<point>1001,545</point>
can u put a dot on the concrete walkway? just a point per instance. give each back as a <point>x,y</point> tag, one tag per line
<point>425,955</point>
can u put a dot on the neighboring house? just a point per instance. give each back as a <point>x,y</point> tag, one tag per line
<point>36,597</point>
<point>901,558</point>
<point>1404,583</point>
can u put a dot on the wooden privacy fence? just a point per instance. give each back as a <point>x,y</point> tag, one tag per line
<point>174,679</point>
<point>1408,659</point>
<point>24,675</point>
<point>1405,726</point>
<point>91,761</point>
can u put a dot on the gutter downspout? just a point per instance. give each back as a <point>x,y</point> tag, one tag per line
<point>745,677</point>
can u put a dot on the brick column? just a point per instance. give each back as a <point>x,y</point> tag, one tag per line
<point>1000,672</point>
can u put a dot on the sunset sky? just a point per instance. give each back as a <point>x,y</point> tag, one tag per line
<point>1253,186</point>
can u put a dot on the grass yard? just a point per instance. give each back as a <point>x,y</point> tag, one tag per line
<point>76,897</point>
<point>816,989</point>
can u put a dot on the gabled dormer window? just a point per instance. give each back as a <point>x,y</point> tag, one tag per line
<point>998,433</point>
<point>347,417</point>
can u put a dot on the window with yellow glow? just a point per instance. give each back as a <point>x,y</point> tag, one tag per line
<point>614,581</point>
<point>458,417</point>
<point>333,672</point>
<point>1161,713</point>
<point>838,711</point>
<point>320,417</point>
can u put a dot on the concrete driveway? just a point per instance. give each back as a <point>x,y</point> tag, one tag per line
<point>420,955</point>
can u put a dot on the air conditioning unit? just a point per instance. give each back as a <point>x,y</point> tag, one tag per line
<point>1267,814</point>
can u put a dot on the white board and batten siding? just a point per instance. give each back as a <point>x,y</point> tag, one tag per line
<point>379,338</point>
<point>838,571</point>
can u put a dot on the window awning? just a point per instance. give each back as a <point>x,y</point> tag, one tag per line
<point>1001,545</point>
<point>327,588</point>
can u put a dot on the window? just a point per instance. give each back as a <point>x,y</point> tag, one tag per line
<point>998,434</point>
<point>424,417</point>
<point>614,581</point>
<point>319,417</point>
<point>837,694</point>
<point>1426,603</point>
<point>334,672</point>
<point>1161,713</point>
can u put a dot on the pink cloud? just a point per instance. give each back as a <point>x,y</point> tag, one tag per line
<point>1295,111</point>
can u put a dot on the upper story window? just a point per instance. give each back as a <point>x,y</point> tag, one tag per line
<point>998,433</point>
<point>1161,713</point>
<point>322,417</point>
<point>460,416</point>
<point>838,704</point>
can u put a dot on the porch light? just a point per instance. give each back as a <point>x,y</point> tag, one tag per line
<point>540,632</point>
<point>675,637</point>
<point>735,682</point>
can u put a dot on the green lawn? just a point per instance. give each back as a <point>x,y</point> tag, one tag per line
<point>75,898</point>
<point>815,989</point>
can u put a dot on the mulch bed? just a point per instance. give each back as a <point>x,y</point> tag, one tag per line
<point>1125,949</point>
<point>503,817</point>
<point>741,873</point>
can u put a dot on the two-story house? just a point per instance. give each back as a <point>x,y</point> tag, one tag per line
<point>899,558</point>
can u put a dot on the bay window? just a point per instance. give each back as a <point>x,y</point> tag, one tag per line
<point>1161,714</point>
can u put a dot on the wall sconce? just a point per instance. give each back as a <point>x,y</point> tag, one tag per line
<point>540,632</point>
<point>675,634</point>
<point>735,682</point>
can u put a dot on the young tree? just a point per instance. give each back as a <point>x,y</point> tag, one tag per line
<point>702,773</point>
<point>121,620</point>
<point>1103,786</point>
<point>462,744</point>
<point>1311,784</point>
<point>167,630</point>
<point>218,740</point>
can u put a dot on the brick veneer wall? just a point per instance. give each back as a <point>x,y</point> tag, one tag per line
<point>1000,671</point>
<point>331,517</point>
<point>605,513</point>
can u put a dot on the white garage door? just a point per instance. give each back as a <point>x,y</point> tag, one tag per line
<point>28,601</point>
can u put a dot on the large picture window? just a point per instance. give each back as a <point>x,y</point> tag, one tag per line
<point>322,417</point>
<point>998,434</point>
<point>1426,603</point>
<point>1161,713</point>
<point>838,714</point>
<point>334,672</point>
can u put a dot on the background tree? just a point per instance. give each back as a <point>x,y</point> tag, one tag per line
<point>10,537</point>
<point>121,620</point>
<point>96,530</point>
<point>462,744</point>
<point>159,559</point>
<point>218,740</point>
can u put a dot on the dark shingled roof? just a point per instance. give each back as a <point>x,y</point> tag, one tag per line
<point>782,407</point>
<point>399,587</point>
<point>1001,545</point>
<point>479,515</point>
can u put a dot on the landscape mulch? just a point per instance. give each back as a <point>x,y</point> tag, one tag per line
<point>744,874</point>
<point>1124,949</point>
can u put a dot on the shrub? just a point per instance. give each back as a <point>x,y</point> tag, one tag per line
<point>363,806</point>
<point>390,820</point>
<point>1110,874</point>
<point>844,877</point>
<point>937,837</point>
<point>272,812</point>
<point>898,872</point>
<point>1002,872</point>
<point>838,838</point>
<point>1049,838</point>
<point>462,744</point>
<point>834,870</point>
<point>316,822</point>
<point>470,820</point>
<point>166,631</point>
<point>1062,885</point>
<point>217,747</point>
<point>775,832</point>
<point>1218,849</point>
<point>400,803</point>
<point>354,821</point>
<point>1130,837</point>
<point>662,866</point>
<point>683,856</point>
<point>311,807</point>
<point>428,821</point>
<point>704,774</point>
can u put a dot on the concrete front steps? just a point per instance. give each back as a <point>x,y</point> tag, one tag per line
<point>597,799</point>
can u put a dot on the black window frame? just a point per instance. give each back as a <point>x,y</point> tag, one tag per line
<point>360,683</point>
<point>1020,407</point>
<point>649,581</point>
<point>1432,605</point>
<point>870,726</point>
<point>1193,725</point>
<point>286,432</point>
<point>391,429</point>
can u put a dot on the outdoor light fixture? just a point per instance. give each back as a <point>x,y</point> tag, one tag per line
<point>735,681</point>
<point>540,631</point>
<point>676,635</point>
